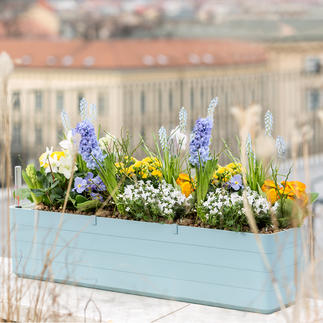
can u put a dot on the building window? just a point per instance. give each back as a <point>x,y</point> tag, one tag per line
<point>313,99</point>
<point>142,102</point>
<point>102,103</point>
<point>59,101</point>
<point>312,65</point>
<point>38,134</point>
<point>16,100</point>
<point>16,134</point>
<point>38,100</point>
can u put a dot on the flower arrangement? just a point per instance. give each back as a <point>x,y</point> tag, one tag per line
<point>170,184</point>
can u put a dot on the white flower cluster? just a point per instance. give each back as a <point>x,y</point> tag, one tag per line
<point>165,197</point>
<point>60,161</point>
<point>216,201</point>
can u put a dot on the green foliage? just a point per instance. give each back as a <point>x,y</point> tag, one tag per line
<point>171,163</point>
<point>81,164</point>
<point>204,176</point>
<point>107,171</point>
<point>33,181</point>
<point>313,197</point>
<point>88,205</point>
<point>256,173</point>
<point>289,214</point>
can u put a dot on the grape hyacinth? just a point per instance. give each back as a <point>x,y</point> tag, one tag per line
<point>212,106</point>
<point>182,119</point>
<point>268,123</point>
<point>280,146</point>
<point>163,138</point>
<point>89,146</point>
<point>83,109</point>
<point>200,142</point>
<point>65,121</point>
<point>248,145</point>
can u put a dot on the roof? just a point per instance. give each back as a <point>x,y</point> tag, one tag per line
<point>127,54</point>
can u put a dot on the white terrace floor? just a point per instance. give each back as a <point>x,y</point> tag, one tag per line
<point>114,307</point>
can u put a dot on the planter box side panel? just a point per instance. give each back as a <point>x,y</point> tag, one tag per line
<point>163,264</point>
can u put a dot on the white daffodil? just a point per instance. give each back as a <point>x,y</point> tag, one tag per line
<point>177,140</point>
<point>43,159</point>
<point>65,166</point>
<point>107,142</point>
<point>70,143</point>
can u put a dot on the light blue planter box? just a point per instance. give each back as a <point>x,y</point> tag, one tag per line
<point>198,265</point>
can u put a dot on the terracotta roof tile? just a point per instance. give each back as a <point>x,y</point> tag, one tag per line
<point>134,53</point>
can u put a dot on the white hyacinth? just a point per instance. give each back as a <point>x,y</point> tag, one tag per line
<point>213,104</point>
<point>163,138</point>
<point>268,123</point>
<point>65,121</point>
<point>83,109</point>
<point>182,119</point>
<point>280,146</point>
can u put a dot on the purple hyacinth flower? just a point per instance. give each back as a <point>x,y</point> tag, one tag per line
<point>80,185</point>
<point>235,182</point>
<point>89,146</point>
<point>200,142</point>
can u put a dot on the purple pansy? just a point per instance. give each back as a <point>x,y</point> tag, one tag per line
<point>235,182</point>
<point>80,185</point>
<point>96,196</point>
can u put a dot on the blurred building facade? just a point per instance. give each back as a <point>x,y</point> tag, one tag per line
<point>140,85</point>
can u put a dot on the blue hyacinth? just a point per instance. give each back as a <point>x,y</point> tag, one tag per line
<point>200,142</point>
<point>89,146</point>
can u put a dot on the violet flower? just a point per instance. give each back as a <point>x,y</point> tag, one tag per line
<point>80,185</point>
<point>235,182</point>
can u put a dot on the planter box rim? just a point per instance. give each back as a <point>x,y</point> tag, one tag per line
<point>158,223</point>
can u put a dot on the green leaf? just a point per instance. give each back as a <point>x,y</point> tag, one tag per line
<point>89,205</point>
<point>313,196</point>
<point>55,183</point>
<point>80,199</point>
<point>38,192</point>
